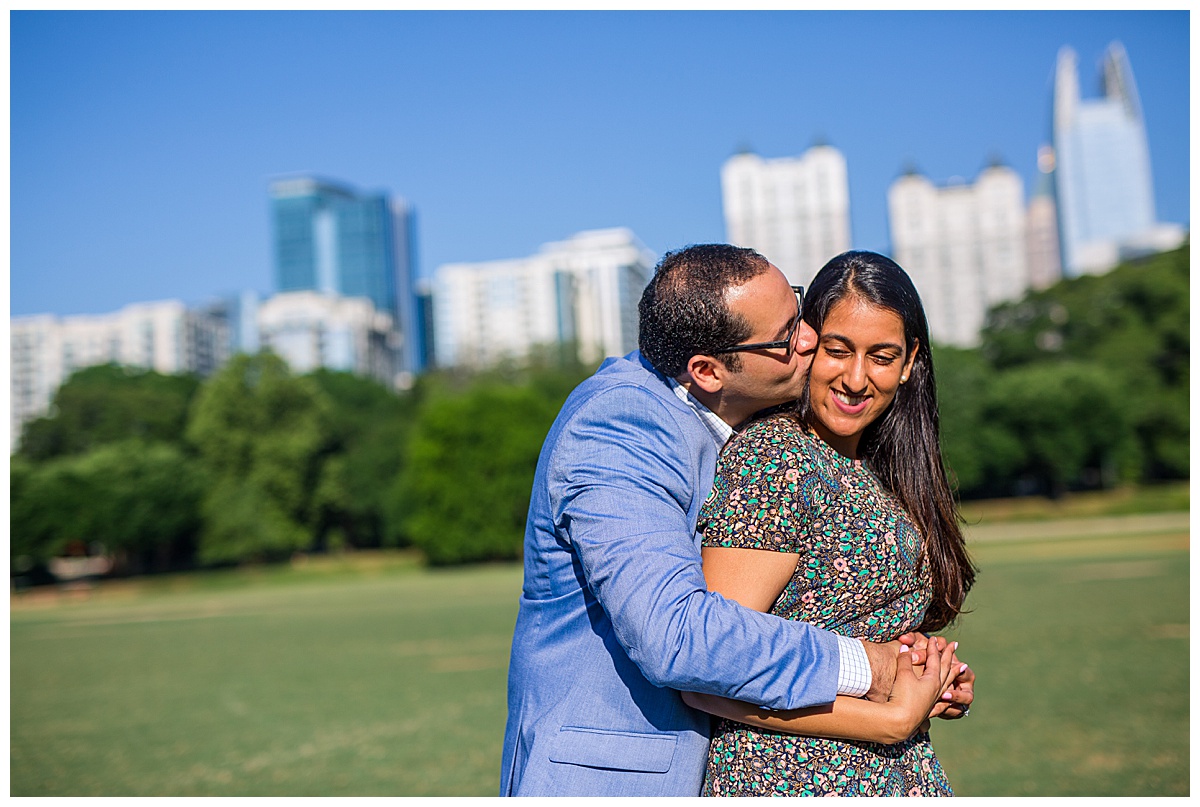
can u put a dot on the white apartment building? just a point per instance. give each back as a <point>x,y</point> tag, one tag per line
<point>311,329</point>
<point>163,336</point>
<point>583,290</point>
<point>793,210</point>
<point>963,245</point>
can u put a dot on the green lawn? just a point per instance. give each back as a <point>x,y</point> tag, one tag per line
<point>1081,647</point>
<point>1157,498</point>
<point>385,685</point>
<point>368,676</point>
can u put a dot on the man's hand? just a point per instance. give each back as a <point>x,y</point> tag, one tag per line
<point>882,658</point>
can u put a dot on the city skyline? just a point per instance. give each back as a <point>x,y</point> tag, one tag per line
<point>581,291</point>
<point>143,144</point>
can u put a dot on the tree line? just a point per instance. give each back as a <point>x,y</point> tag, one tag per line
<point>1083,385</point>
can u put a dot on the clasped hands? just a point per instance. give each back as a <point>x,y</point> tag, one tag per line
<point>955,702</point>
<point>924,675</point>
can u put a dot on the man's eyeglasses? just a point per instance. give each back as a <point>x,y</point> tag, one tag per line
<point>783,343</point>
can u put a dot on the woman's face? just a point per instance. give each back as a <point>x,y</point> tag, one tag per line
<point>860,359</point>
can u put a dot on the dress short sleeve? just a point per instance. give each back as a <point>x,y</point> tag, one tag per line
<point>762,496</point>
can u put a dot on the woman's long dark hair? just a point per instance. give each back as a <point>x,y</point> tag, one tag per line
<point>902,446</point>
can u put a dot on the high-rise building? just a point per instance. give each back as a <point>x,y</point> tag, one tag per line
<point>425,321</point>
<point>793,210</point>
<point>310,330</point>
<point>1041,227</point>
<point>239,312</point>
<point>163,336</point>
<point>1104,190</point>
<point>962,244</point>
<point>332,239</point>
<point>583,291</point>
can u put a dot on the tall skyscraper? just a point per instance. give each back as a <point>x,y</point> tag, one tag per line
<point>1041,227</point>
<point>330,238</point>
<point>962,244</point>
<point>1102,179</point>
<point>582,291</point>
<point>794,210</point>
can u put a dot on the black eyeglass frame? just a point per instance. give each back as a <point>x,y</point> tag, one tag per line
<point>785,343</point>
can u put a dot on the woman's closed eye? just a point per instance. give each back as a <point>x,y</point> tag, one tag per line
<point>837,352</point>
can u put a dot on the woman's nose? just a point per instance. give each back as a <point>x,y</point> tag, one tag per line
<point>855,375</point>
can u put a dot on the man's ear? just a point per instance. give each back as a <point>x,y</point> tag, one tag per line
<point>707,373</point>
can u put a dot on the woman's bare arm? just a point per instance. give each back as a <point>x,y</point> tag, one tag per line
<point>850,718</point>
<point>755,578</point>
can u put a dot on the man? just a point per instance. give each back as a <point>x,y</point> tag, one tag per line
<point>615,616</point>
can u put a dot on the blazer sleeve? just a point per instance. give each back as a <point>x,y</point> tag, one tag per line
<point>622,480</point>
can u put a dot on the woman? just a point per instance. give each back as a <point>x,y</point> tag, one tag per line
<point>840,514</point>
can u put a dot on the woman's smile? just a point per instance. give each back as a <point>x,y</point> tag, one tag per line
<point>850,404</point>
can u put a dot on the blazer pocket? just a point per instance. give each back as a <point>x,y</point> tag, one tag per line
<point>615,750</point>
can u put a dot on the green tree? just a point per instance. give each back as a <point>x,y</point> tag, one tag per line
<point>370,426</point>
<point>147,501</point>
<point>980,455</point>
<point>1068,419</point>
<point>45,513</point>
<point>263,434</point>
<point>1134,323</point>
<point>139,500</point>
<point>108,403</point>
<point>465,488</point>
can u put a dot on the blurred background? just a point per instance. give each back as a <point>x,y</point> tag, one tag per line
<point>295,296</point>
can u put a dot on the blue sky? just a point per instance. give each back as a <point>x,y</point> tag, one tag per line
<point>142,143</point>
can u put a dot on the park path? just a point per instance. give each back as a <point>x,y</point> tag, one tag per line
<point>1143,523</point>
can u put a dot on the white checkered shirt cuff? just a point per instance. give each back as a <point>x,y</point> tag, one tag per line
<point>854,669</point>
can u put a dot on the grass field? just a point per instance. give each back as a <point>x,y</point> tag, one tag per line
<point>367,675</point>
<point>1081,647</point>
<point>1158,498</point>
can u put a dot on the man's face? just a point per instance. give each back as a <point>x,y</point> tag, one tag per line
<point>770,376</point>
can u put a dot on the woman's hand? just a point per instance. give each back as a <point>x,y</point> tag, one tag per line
<point>957,700</point>
<point>916,693</point>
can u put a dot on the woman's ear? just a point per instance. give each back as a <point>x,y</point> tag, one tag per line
<point>906,373</point>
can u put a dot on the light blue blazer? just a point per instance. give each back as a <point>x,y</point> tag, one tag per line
<point>614,615</point>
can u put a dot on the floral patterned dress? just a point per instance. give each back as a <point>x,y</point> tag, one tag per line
<point>781,488</point>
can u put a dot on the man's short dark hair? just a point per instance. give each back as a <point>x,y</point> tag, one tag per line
<point>683,311</point>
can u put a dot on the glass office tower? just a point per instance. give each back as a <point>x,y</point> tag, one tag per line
<point>332,239</point>
<point>1102,165</point>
